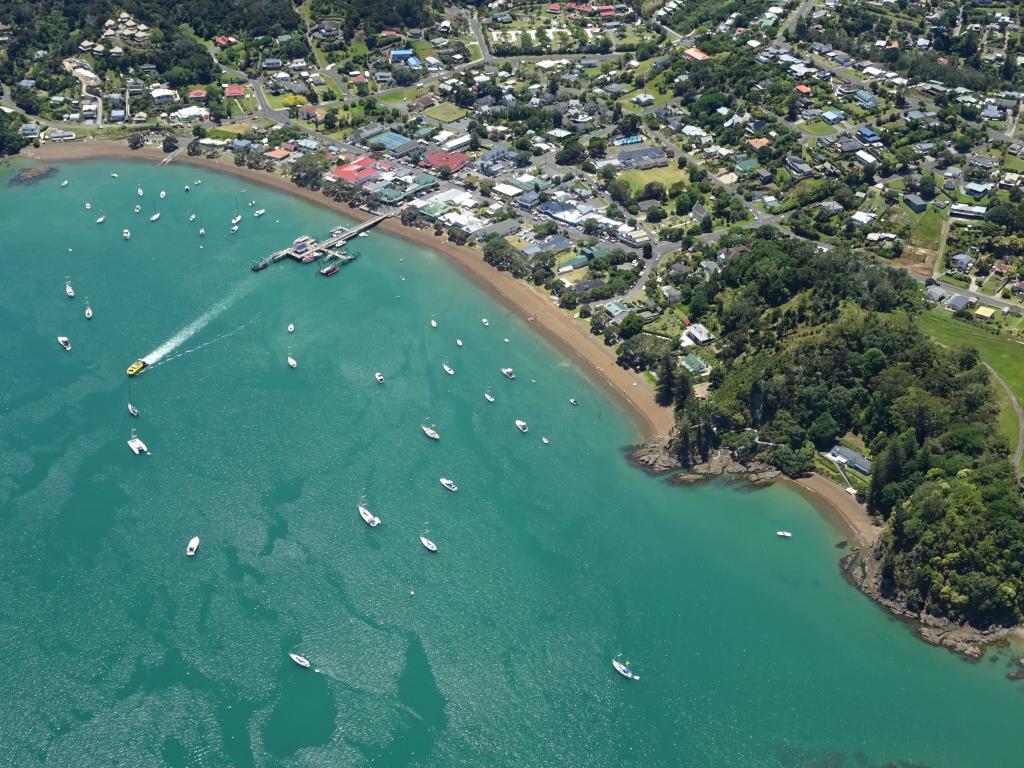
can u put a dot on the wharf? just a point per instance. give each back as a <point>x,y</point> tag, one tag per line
<point>305,249</point>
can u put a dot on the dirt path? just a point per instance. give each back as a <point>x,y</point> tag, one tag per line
<point>1019,453</point>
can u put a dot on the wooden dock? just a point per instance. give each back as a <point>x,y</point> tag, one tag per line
<point>305,249</point>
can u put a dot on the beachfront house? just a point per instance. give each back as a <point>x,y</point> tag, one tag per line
<point>850,458</point>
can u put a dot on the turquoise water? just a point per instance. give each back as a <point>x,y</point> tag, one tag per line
<point>752,651</point>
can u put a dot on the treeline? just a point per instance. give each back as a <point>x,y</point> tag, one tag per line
<point>814,346</point>
<point>11,141</point>
<point>372,17</point>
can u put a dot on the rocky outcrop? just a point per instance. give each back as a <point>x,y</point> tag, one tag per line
<point>655,457</point>
<point>863,570</point>
<point>658,458</point>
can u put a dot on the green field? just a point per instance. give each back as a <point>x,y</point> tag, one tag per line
<point>926,228</point>
<point>668,176</point>
<point>445,112</point>
<point>817,128</point>
<point>398,94</point>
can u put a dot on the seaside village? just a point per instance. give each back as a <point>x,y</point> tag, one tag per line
<point>602,153</point>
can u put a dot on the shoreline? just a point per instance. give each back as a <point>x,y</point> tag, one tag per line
<point>556,326</point>
<point>838,507</point>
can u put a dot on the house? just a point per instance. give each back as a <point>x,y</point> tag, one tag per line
<point>850,458</point>
<point>234,92</point>
<point>865,99</point>
<point>863,219</point>
<point>967,211</point>
<point>698,213</point>
<point>27,84</point>
<point>29,130</point>
<point>359,171</point>
<point>671,294</point>
<point>699,334</point>
<point>695,54</point>
<point>867,136</point>
<point>833,116</point>
<point>976,189</point>
<point>272,63</point>
<point>746,166</point>
<point>117,115</point>
<point>934,293</point>
<point>798,167</point>
<point>958,302</point>
<point>643,100</point>
<point>831,207</point>
<point>695,365</point>
<point>642,158</point>
<point>454,161</point>
<point>162,95</point>
<point>402,54</point>
<point>962,262</point>
<point>328,29</point>
<point>135,87</point>
<point>197,94</point>
<point>240,145</point>
<point>915,203</point>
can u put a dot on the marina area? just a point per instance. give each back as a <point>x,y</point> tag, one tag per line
<point>306,249</point>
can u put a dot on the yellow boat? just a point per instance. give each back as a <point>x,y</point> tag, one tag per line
<point>137,367</point>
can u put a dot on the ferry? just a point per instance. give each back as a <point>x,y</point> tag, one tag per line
<point>379,377</point>
<point>431,546</point>
<point>368,517</point>
<point>508,373</point>
<point>330,270</point>
<point>64,342</point>
<point>624,670</point>
<point>430,432</point>
<point>449,484</point>
<point>260,212</point>
<point>521,426</point>
<point>193,545</point>
<point>137,367</point>
<point>126,234</point>
<point>302,661</point>
<point>784,534</point>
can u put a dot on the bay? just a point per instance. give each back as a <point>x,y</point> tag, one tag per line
<point>495,651</point>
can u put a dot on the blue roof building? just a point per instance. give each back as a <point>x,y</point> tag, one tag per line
<point>402,54</point>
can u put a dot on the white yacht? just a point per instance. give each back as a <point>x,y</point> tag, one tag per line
<point>379,377</point>
<point>233,229</point>
<point>155,216</point>
<point>508,373</point>
<point>488,397</point>
<point>430,432</point>
<point>64,342</point>
<point>545,441</point>
<point>624,670</point>
<point>191,217</point>
<point>139,191</point>
<point>458,342</point>
<point>163,194</point>
<point>368,517</point>
<point>193,545</point>
<point>88,206</point>
<point>137,209</point>
<point>292,362</point>
<point>187,188</point>
<point>113,176</point>
<point>237,218</point>
<point>102,217</point>
<point>260,212</point>
<point>448,369</point>
<point>484,321</point>
<point>428,544</point>
<point>302,661</point>
<point>433,323</point>
<point>521,426</point>
<point>64,183</point>
<point>449,484</point>
<point>135,443</point>
<point>68,289</point>
<point>132,410</point>
<point>126,234</point>
<point>88,310</point>
<point>784,534</point>
<point>572,401</point>
<point>202,231</point>
<point>291,328</point>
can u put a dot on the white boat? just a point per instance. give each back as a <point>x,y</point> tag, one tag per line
<point>139,191</point>
<point>202,231</point>
<point>488,397</point>
<point>113,176</point>
<point>784,534</point>
<point>193,545</point>
<point>368,517</point>
<point>291,328</point>
<point>64,183</point>
<point>260,212</point>
<point>302,661</point>
<point>430,432</point>
<point>102,218</point>
<point>198,181</point>
<point>155,216</point>
<point>64,342</point>
<point>88,206</point>
<point>191,217</point>
<point>521,426</point>
<point>236,219</point>
<point>132,410</point>
<point>484,321</point>
<point>459,342</point>
<point>162,194</point>
<point>433,323</point>
<point>187,189</point>
<point>449,484</point>
<point>135,443</point>
<point>448,369</point>
<point>572,401</point>
<point>291,362</point>
<point>233,229</point>
<point>126,234</point>
<point>363,234</point>
<point>624,670</point>
<point>137,209</point>
<point>428,544</point>
<point>379,377</point>
<point>88,310</point>
<point>508,373</point>
<point>68,289</point>
<point>545,441</point>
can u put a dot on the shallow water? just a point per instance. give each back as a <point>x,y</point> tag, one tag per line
<point>554,558</point>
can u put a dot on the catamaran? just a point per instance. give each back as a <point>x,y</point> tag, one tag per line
<point>624,670</point>
<point>508,373</point>
<point>68,289</point>
<point>431,546</point>
<point>379,377</point>
<point>64,342</point>
<point>135,443</point>
<point>448,369</point>
<point>302,661</point>
<point>430,432</point>
<point>449,484</point>
<point>368,517</point>
<point>521,426</point>
<point>192,546</point>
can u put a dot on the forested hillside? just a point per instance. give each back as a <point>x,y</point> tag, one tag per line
<point>814,346</point>
<point>374,16</point>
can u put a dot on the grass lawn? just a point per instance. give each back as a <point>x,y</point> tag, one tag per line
<point>1015,164</point>
<point>817,128</point>
<point>276,101</point>
<point>397,94</point>
<point>671,323</point>
<point>668,176</point>
<point>445,112</point>
<point>1004,355</point>
<point>423,48</point>
<point>926,228</point>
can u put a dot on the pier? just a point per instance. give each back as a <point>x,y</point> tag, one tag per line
<point>304,249</point>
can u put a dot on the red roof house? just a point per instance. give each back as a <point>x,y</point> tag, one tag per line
<point>455,161</point>
<point>554,8</point>
<point>805,90</point>
<point>197,94</point>
<point>222,41</point>
<point>235,92</point>
<point>360,170</point>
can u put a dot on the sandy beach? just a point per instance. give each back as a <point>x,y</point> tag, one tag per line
<point>555,325</point>
<point>841,508</point>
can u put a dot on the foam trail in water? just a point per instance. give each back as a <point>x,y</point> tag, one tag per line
<point>190,330</point>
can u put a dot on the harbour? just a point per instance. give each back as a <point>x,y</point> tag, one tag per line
<point>305,249</point>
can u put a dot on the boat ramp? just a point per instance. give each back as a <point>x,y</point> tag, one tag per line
<point>306,249</point>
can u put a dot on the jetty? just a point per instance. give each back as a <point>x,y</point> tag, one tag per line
<point>306,249</point>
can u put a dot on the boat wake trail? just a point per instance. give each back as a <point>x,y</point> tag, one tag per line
<point>196,348</point>
<point>190,330</point>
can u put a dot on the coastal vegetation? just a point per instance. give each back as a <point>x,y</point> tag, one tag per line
<point>813,346</point>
